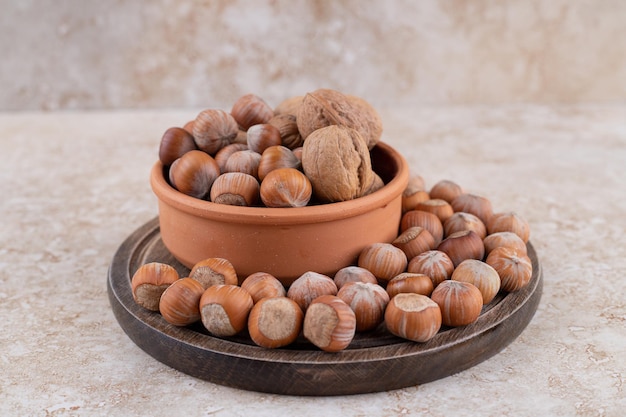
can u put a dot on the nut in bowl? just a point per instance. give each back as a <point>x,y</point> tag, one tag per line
<point>285,242</point>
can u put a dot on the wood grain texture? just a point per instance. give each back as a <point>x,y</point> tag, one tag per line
<point>375,361</point>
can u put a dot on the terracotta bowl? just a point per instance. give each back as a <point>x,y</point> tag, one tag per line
<point>285,242</point>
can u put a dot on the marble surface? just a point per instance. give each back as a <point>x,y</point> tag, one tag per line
<point>74,185</point>
<point>76,54</point>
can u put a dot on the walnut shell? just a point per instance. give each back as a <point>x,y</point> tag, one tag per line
<point>337,162</point>
<point>325,107</point>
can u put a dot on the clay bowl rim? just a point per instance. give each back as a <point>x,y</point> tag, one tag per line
<point>290,215</point>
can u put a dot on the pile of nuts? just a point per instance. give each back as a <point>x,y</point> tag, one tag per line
<point>451,257</point>
<point>310,149</point>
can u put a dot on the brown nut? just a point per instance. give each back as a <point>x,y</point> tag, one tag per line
<point>446,190</point>
<point>275,322</point>
<point>428,221</point>
<point>410,282</point>
<point>337,162</point>
<point>413,317</point>
<point>214,271</point>
<point>224,309</point>
<point>329,323</point>
<point>285,187</point>
<point>460,302</point>
<point>213,129</point>
<point>509,222</point>
<point>383,260</point>
<point>471,203</point>
<point>277,157</point>
<point>250,110</point>
<point>353,273</point>
<point>180,302</point>
<point>223,154</point>
<point>463,245</point>
<point>263,285</point>
<point>175,142</point>
<point>245,161</point>
<point>464,221</point>
<point>289,134</point>
<point>414,193</point>
<point>440,208</point>
<point>414,241</point>
<point>149,282</point>
<point>235,189</point>
<point>262,136</point>
<point>368,301</point>
<point>289,106</point>
<point>433,263</point>
<point>194,173</point>
<point>309,286</point>
<point>515,269</point>
<point>325,107</point>
<point>507,239</point>
<point>482,275</point>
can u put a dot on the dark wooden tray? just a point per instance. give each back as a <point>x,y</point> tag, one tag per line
<point>376,361</point>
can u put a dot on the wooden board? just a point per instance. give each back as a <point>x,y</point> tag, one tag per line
<point>376,361</point>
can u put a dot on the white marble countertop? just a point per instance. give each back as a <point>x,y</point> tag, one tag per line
<point>73,186</point>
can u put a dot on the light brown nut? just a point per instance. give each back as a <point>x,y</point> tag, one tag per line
<point>337,162</point>
<point>325,107</point>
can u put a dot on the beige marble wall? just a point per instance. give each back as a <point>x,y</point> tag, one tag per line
<point>135,54</point>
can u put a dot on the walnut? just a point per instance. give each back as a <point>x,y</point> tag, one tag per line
<point>337,162</point>
<point>325,107</point>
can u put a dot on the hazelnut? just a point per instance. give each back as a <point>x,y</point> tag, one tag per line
<point>285,187</point>
<point>428,221</point>
<point>149,282</point>
<point>189,127</point>
<point>410,282</point>
<point>464,221</point>
<point>213,129</point>
<point>245,161</point>
<point>223,154</point>
<point>460,302</point>
<point>414,241</point>
<point>413,317</point>
<point>235,189</point>
<point>214,271</point>
<point>462,245</point>
<point>507,239</point>
<point>275,322</point>
<point>433,263</point>
<point>353,273</point>
<point>309,286</point>
<point>515,269</point>
<point>446,190</point>
<point>471,203</point>
<point>175,142</point>
<point>224,309</point>
<point>263,285</point>
<point>180,302</point>
<point>482,275</point>
<point>194,173</point>
<point>289,134</point>
<point>262,136</point>
<point>414,193</point>
<point>250,109</point>
<point>329,323</point>
<point>440,208</point>
<point>383,260</point>
<point>277,157</point>
<point>368,301</point>
<point>509,222</point>
<point>337,162</point>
